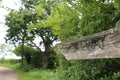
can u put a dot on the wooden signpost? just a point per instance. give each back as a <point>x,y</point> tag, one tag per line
<point>104,44</point>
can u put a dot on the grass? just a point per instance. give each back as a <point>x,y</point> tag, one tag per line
<point>35,74</point>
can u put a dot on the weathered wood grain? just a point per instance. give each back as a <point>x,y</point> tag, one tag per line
<point>104,44</point>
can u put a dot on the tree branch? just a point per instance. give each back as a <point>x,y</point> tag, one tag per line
<point>35,45</point>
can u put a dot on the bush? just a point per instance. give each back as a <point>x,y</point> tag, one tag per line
<point>37,60</point>
<point>26,68</point>
<point>96,69</point>
<point>52,60</point>
<point>34,57</point>
<point>28,52</point>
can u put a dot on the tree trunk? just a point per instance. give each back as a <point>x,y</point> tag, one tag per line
<point>45,56</point>
<point>45,60</point>
<point>22,56</point>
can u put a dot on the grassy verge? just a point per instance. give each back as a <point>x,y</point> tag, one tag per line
<point>35,74</point>
<point>38,75</point>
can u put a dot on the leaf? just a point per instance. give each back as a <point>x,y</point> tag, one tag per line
<point>117,23</point>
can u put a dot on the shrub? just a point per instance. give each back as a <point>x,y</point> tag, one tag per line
<point>37,60</point>
<point>52,60</point>
<point>28,52</point>
<point>95,69</point>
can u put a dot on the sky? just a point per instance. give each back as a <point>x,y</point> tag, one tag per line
<point>13,4</point>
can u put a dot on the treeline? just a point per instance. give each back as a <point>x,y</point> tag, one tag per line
<point>33,57</point>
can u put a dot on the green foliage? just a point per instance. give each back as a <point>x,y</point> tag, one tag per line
<point>10,61</point>
<point>71,20</point>
<point>52,63</point>
<point>99,69</point>
<point>37,74</point>
<point>25,68</point>
<point>15,22</point>
<point>63,67</point>
<point>38,28</point>
<point>33,58</point>
<point>116,4</point>
<point>117,23</point>
<point>28,49</point>
<point>64,21</point>
<point>96,16</point>
<point>116,18</point>
<point>17,32</point>
<point>28,52</point>
<point>114,76</point>
<point>37,60</point>
<point>28,23</point>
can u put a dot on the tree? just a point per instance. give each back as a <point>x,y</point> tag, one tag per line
<point>64,21</point>
<point>73,19</point>
<point>28,52</point>
<point>16,33</point>
<point>37,29</point>
<point>25,25</point>
<point>96,16</point>
<point>44,32</point>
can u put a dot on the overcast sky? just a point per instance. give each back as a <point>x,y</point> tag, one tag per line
<point>13,4</point>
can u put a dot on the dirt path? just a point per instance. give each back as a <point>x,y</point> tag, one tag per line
<point>7,74</point>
